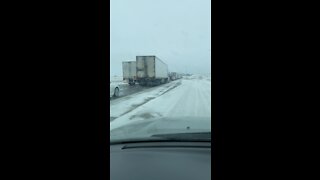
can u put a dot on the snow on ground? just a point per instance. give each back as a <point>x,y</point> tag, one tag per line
<point>190,96</point>
<point>121,106</point>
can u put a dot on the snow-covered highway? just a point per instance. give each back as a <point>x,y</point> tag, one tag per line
<point>189,96</point>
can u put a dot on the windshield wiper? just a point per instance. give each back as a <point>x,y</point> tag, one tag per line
<point>172,137</point>
<point>199,136</point>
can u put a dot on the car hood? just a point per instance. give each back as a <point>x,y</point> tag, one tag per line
<point>167,125</point>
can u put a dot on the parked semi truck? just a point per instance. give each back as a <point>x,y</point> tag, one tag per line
<point>150,70</point>
<point>173,76</point>
<point>129,72</point>
<point>178,76</point>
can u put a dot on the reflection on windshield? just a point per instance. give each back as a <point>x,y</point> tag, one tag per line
<point>161,127</point>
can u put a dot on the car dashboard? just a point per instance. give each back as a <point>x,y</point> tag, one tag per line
<point>160,161</point>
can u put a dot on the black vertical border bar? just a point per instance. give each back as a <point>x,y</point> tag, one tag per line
<point>217,128</point>
<point>103,34</point>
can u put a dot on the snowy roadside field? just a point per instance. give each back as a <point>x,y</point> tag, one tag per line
<point>126,104</point>
<point>190,96</point>
<point>116,79</point>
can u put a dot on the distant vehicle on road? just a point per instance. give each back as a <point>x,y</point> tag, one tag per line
<point>129,70</point>
<point>174,76</point>
<point>151,70</point>
<point>114,90</point>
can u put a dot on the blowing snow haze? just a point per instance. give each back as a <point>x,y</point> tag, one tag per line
<point>178,32</point>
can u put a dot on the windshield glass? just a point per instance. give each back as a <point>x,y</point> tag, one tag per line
<point>160,76</point>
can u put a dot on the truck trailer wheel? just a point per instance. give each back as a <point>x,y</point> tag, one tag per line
<point>142,83</point>
<point>116,92</point>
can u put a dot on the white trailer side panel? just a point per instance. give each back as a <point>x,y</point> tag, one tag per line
<point>161,69</point>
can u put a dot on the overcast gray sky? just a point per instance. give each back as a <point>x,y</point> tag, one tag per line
<point>176,31</point>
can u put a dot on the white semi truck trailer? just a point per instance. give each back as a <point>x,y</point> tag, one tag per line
<point>150,70</point>
<point>129,72</point>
